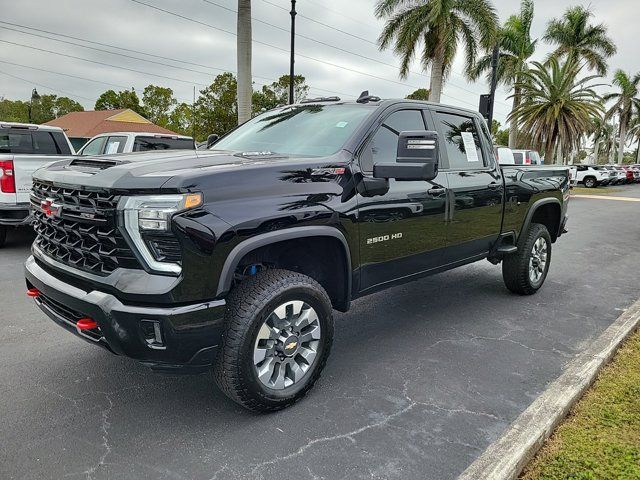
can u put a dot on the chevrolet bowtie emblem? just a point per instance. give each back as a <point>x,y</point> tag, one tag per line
<point>291,345</point>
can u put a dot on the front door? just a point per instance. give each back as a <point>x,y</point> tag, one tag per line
<point>475,185</point>
<point>402,232</point>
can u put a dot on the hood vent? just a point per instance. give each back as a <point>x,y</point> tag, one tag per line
<point>94,163</point>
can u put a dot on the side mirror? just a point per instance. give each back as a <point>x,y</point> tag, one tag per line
<point>212,139</point>
<point>417,158</point>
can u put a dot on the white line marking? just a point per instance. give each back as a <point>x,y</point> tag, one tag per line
<point>607,197</point>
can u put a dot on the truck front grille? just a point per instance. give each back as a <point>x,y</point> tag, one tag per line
<point>78,228</point>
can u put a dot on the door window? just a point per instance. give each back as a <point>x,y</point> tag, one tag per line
<point>115,145</point>
<point>462,141</point>
<point>383,146</point>
<point>94,147</point>
<point>61,143</point>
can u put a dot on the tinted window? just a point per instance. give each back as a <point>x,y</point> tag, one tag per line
<point>143,144</point>
<point>94,147</point>
<point>61,143</point>
<point>43,144</point>
<point>461,140</point>
<point>115,145</point>
<point>383,147</point>
<point>535,158</point>
<point>519,158</point>
<point>15,141</point>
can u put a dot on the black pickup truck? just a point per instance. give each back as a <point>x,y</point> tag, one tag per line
<point>235,257</point>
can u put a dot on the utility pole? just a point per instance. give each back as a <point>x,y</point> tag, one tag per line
<point>495,57</point>
<point>292,59</point>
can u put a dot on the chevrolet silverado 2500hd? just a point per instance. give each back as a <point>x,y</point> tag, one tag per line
<point>236,257</point>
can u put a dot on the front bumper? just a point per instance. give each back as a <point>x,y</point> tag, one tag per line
<point>190,334</point>
<point>15,214</point>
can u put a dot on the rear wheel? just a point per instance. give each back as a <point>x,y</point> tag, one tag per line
<point>278,333</point>
<point>525,271</point>
<point>590,182</point>
<point>3,235</point>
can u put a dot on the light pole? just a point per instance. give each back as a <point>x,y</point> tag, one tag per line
<point>34,97</point>
<point>293,42</point>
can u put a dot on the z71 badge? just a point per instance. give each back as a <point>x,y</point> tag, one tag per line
<point>384,238</point>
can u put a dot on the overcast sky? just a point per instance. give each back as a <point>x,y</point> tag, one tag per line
<point>125,24</point>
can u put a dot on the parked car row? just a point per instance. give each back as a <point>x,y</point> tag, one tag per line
<point>24,148</point>
<point>592,176</point>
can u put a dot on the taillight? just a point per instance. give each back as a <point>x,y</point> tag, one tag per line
<point>7,180</point>
<point>527,160</point>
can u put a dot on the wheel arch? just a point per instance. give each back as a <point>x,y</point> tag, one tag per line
<point>547,211</point>
<point>340,292</point>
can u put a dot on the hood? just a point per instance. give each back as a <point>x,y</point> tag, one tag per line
<point>149,170</point>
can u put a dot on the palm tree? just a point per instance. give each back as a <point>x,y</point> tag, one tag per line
<point>625,101</point>
<point>598,130</point>
<point>435,27</point>
<point>557,106</point>
<point>634,133</point>
<point>245,90</point>
<point>577,40</point>
<point>516,47</point>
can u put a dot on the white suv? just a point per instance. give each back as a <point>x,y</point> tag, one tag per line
<point>592,175</point>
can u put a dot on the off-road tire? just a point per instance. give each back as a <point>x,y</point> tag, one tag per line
<point>3,235</point>
<point>248,305</point>
<point>515,267</point>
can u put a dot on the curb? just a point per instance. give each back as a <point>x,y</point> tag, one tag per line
<point>506,457</point>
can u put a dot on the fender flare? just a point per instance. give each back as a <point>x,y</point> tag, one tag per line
<point>250,244</point>
<point>532,210</point>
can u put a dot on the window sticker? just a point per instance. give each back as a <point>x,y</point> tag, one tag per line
<point>470,147</point>
<point>112,147</point>
<point>341,124</point>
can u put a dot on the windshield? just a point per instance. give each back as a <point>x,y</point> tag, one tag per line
<point>305,130</point>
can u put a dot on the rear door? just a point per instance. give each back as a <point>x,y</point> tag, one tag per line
<point>402,232</point>
<point>476,188</point>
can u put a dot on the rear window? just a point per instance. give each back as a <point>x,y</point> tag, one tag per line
<point>18,141</point>
<point>15,141</point>
<point>518,157</point>
<point>144,144</point>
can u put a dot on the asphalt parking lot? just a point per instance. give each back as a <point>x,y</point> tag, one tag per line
<point>422,378</point>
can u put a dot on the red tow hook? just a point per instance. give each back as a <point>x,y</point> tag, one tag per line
<point>86,324</point>
<point>33,292</point>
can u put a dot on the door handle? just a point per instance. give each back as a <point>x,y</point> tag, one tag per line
<point>436,191</point>
<point>494,186</point>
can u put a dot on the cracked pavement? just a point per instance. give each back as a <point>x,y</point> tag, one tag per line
<point>421,379</point>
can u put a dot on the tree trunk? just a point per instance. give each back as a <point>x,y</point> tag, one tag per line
<point>638,152</point>
<point>513,127</point>
<point>437,79</point>
<point>623,135</point>
<point>245,90</point>
<point>596,151</point>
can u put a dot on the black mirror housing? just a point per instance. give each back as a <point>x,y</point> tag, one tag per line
<point>417,158</point>
<point>212,139</point>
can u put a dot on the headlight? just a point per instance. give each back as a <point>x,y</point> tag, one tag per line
<point>151,214</point>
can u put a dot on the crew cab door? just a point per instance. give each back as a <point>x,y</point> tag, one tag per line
<point>476,187</point>
<point>402,231</point>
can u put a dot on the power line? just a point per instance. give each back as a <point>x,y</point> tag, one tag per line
<point>274,46</point>
<point>103,63</point>
<point>320,42</point>
<point>45,86</point>
<point>370,42</point>
<point>137,51</point>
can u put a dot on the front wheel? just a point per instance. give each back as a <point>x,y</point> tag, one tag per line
<point>524,272</point>
<point>278,333</point>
